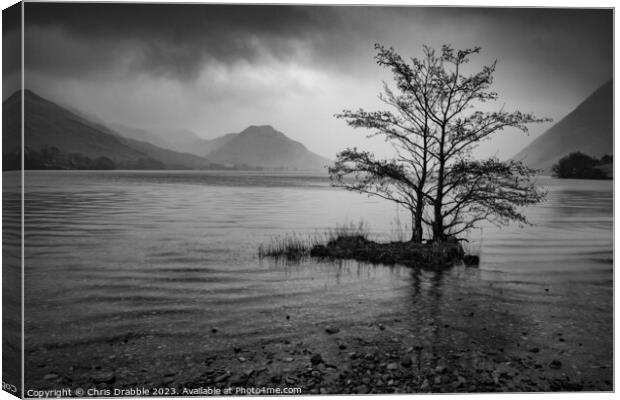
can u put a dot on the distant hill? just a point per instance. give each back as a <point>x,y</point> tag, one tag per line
<point>180,140</point>
<point>265,147</point>
<point>587,129</point>
<point>138,134</point>
<point>189,142</point>
<point>255,147</point>
<point>67,139</point>
<point>58,138</point>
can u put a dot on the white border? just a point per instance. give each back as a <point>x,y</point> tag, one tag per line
<point>455,3</point>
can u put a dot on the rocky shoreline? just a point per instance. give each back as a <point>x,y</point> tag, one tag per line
<point>466,339</point>
<point>390,364</point>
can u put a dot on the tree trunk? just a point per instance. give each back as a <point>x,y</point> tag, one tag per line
<point>415,232</point>
<point>438,233</point>
<point>416,220</point>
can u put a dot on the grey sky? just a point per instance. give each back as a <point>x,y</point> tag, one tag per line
<point>217,69</point>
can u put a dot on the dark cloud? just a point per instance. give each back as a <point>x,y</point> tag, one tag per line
<point>177,39</point>
<point>189,65</point>
<point>11,49</point>
<point>159,38</point>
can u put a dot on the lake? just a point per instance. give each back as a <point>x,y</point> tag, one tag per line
<point>140,272</point>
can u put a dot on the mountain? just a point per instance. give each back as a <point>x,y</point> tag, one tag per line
<point>181,140</point>
<point>265,147</point>
<point>58,138</point>
<point>138,134</point>
<point>208,146</point>
<point>171,159</point>
<point>587,129</point>
<point>189,142</point>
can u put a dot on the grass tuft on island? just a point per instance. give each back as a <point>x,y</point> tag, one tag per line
<point>352,242</point>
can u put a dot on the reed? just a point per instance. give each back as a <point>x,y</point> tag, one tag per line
<point>296,246</point>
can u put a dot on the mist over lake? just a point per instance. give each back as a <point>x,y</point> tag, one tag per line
<point>156,271</point>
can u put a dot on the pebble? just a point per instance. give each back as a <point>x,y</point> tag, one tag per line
<point>50,377</point>
<point>555,364</point>
<point>392,366</point>
<point>425,385</point>
<point>221,378</point>
<point>238,381</point>
<point>288,359</point>
<point>362,389</point>
<point>104,377</point>
<point>406,361</point>
<point>316,359</point>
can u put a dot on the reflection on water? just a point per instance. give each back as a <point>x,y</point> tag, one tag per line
<point>149,254</point>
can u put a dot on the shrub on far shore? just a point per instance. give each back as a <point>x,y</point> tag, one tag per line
<point>581,166</point>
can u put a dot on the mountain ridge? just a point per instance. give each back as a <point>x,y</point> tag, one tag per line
<point>66,138</point>
<point>61,133</point>
<point>587,129</point>
<point>266,147</point>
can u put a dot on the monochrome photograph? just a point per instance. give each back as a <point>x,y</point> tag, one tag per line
<point>290,200</point>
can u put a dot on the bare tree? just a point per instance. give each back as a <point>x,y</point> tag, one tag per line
<point>402,179</point>
<point>433,131</point>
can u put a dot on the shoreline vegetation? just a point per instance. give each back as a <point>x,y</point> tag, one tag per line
<point>353,242</point>
<point>578,165</point>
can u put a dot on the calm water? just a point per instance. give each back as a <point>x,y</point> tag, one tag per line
<point>175,253</point>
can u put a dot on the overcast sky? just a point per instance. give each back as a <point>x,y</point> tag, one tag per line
<point>217,69</point>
